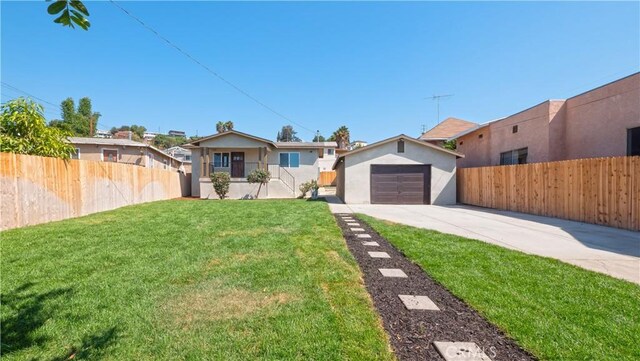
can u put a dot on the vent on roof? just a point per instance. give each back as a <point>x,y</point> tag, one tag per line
<point>514,129</point>
<point>480,136</point>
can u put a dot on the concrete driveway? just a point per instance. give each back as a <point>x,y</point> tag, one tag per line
<point>602,249</point>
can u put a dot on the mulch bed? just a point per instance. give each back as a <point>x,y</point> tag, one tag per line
<point>412,332</point>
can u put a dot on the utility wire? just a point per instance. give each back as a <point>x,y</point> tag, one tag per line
<point>24,92</point>
<point>209,70</point>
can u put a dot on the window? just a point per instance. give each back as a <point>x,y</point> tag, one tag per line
<point>187,158</point>
<point>76,154</point>
<point>514,129</point>
<point>518,156</point>
<point>401,146</point>
<point>221,160</point>
<point>331,151</point>
<point>290,160</point>
<point>110,155</point>
<point>633,141</point>
<point>165,163</point>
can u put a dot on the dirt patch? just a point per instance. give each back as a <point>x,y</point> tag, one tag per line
<point>214,304</point>
<point>413,332</point>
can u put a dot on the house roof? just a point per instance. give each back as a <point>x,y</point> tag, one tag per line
<point>283,145</point>
<point>447,128</point>
<point>195,143</point>
<point>116,142</point>
<point>393,139</point>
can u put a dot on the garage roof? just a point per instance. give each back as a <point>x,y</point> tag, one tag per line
<point>404,137</point>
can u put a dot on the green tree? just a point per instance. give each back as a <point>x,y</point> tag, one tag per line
<point>71,12</point>
<point>341,136</point>
<point>287,134</point>
<point>24,130</point>
<point>260,176</point>
<point>318,138</point>
<point>222,127</point>
<point>449,144</point>
<point>81,122</point>
<point>163,141</point>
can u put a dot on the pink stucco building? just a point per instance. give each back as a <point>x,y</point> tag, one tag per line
<point>602,122</point>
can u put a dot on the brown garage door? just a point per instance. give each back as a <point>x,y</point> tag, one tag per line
<point>400,184</point>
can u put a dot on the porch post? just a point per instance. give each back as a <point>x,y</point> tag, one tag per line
<point>206,168</point>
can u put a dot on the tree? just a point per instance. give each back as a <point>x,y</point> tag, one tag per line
<point>449,144</point>
<point>287,134</point>
<point>261,176</point>
<point>341,136</point>
<point>80,122</point>
<point>71,11</point>
<point>220,182</point>
<point>24,130</point>
<point>163,141</point>
<point>222,127</point>
<point>318,138</point>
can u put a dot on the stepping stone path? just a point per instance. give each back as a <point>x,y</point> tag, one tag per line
<point>423,323</point>
<point>393,272</point>
<point>418,303</point>
<point>461,351</point>
<point>379,255</point>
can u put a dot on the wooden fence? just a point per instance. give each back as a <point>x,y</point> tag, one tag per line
<point>602,191</point>
<point>35,189</point>
<point>327,178</point>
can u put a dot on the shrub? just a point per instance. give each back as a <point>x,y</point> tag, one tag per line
<point>261,176</point>
<point>221,182</point>
<point>304,189</point>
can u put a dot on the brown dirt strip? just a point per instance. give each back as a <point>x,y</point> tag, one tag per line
<point>412,332</point>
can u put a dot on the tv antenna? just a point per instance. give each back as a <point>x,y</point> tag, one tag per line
<point>437,99</point>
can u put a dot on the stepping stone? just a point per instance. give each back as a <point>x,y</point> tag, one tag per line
<point>418,303</point>
<point>461,351</point>
<point>348,219</point>
<point>353,224</point>
<point>392,272</point>
<point>370,243</point>
<point>379,255</point>
<point>363,235</point>
<point>357,229</point>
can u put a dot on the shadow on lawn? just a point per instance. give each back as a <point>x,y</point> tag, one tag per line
<point>25,310</point>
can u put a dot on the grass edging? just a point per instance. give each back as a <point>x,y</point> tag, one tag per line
<point>555,310</point>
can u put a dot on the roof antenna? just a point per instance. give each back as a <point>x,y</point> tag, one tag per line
<point>437,99</point>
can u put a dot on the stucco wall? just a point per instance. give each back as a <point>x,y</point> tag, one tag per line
<point>340,180</point>
<point>476,150</point>
<point>196,165</point>
<point>308,169</point>
<point>357,170</point>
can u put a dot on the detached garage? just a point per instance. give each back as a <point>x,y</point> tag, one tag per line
<point>398,170</point>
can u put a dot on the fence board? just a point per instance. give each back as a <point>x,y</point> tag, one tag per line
<point>35,189</point>
<point>602,191</point>
<point>327,178</point>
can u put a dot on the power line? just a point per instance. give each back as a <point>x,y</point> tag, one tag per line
<point>209,70</point>
<point>24,92</point>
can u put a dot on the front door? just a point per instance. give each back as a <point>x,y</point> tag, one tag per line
<point>237,164</point>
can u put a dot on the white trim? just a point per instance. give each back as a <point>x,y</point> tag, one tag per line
<point>289,164</point>
<point>102,153</point>
<point>77,154</point>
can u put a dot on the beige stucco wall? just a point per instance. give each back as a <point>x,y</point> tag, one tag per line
<point>357,170</point>
<point>477,150</point>
<point>129,155</point>
<point>308,169</point>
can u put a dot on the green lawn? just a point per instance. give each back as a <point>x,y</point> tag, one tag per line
<point>187,279</point>
<point>555,310</point>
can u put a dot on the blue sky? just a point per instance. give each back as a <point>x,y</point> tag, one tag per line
<point>365,65</point>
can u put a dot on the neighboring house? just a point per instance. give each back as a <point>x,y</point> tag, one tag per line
<point>183,155</point>
<point>123,151</point>
<point>356,144</point>
<point>123,134</point>
<point>237,153</point>
<point>602,122</point>
<point>177,133</point>
<point>149,136</point>
<point>445,130</point>
<point>398,170</point>
<point>102,134</point>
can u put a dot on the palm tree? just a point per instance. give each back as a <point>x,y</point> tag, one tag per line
<point>222,127</point>
<point>341,136</point>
